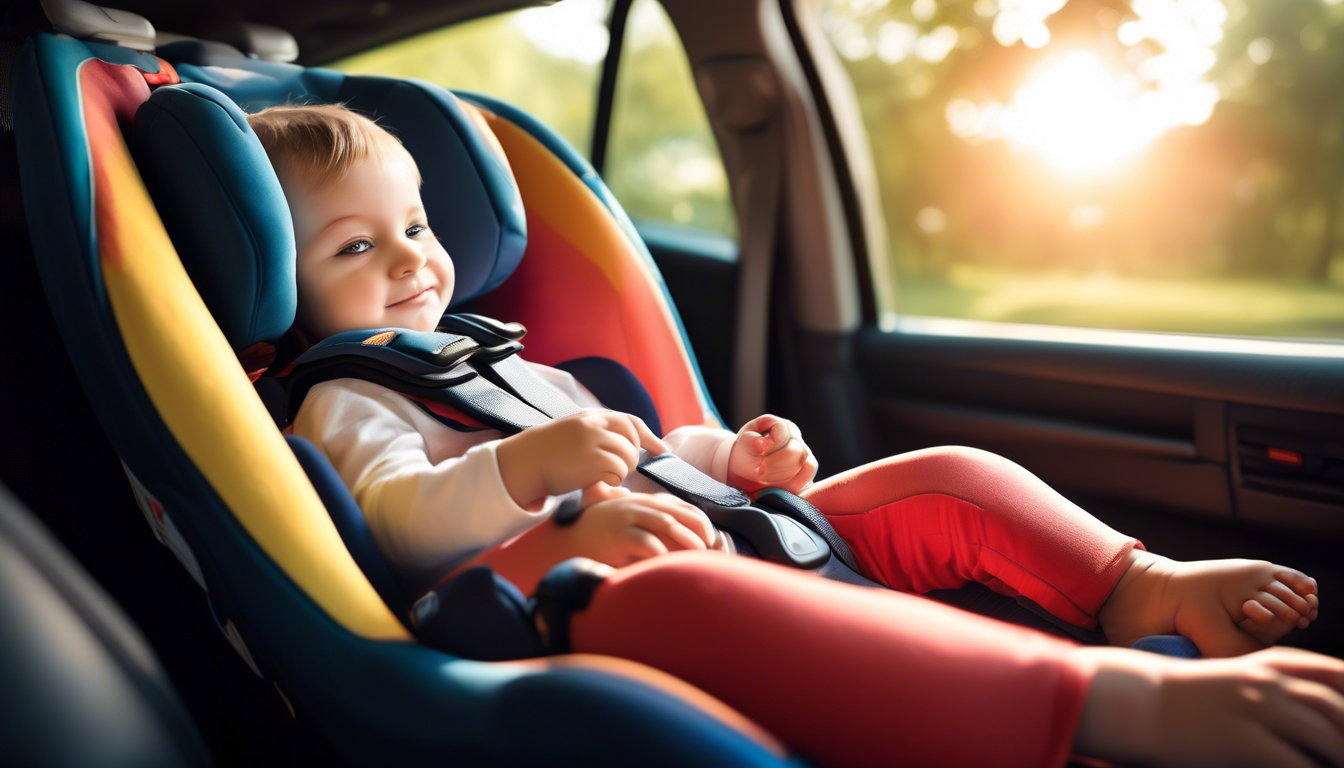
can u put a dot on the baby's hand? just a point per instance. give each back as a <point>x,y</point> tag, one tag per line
<point>1280,707</point>
<point>769,451</point>
<point>618,527</point>
<point>573,452</point>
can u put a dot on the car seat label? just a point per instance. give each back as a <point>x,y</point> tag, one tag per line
<point>162,526</point>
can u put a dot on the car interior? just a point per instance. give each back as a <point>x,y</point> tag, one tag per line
<point>787,270</point>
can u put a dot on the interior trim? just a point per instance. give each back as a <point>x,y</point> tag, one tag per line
<point>1185,342</point>
<point>1032,429</point>
<point>1298,376</point>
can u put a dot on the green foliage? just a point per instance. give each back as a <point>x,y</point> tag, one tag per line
<point>1239,207</point>
<point>662,162</point>
<point>493,55</point>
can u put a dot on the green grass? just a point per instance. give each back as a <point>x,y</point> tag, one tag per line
<point>1234,307</point>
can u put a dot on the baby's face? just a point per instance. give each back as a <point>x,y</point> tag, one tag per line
<point>366,257</point>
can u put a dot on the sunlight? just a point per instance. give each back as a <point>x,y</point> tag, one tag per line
<point>1081,116</point>
<point>573,30</point>
<point>1077,115</point>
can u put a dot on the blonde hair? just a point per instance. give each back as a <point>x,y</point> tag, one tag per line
<point>320,142</point>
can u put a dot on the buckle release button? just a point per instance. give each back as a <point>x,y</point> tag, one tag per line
<point>795,537</point>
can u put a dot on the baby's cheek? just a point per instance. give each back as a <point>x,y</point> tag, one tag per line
<point>360,304</point>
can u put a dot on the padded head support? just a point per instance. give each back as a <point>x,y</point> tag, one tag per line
<point>226,212</point>
<point>223,207</point>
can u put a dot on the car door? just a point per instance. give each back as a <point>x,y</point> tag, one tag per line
<point>1147,315</point>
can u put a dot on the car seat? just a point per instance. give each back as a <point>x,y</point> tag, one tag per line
<point>220,485</point>
<point>265,527</point>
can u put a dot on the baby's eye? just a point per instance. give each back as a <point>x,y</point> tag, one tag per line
<point>346,251</point>
<point>416,229</point>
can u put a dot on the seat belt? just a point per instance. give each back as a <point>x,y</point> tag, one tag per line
<point>511,373</point>
<point>486,380</point>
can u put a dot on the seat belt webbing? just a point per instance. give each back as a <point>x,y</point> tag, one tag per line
<point>498,389</point>
<point>667,470</point>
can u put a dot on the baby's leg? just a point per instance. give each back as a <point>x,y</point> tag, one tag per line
<point>938,518</point>
<point>848,676</point>
<point>944,516</point>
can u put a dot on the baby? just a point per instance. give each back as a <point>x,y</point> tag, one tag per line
<point>438,499</point>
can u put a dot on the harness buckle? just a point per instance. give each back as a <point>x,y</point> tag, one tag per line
<point>496,353</point>
<point>488,331</point>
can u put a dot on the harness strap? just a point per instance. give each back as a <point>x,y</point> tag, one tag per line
<point>483,378</point>
<point>669,471</point>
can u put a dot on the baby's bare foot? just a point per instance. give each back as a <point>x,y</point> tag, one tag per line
<point>1226,607</point>
<point>1268,619</point>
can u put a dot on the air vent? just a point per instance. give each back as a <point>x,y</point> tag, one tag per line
<point>1291,463</point>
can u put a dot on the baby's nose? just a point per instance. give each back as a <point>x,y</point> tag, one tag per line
<point>409,260</point>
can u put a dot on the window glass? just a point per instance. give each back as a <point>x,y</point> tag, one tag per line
<point>1164,165</point>
<point>662,161</point>
<point>546,61</point>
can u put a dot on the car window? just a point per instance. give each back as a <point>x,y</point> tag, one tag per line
<point>1159,165</point>
<point>662,161</point>
<point>545,60</point>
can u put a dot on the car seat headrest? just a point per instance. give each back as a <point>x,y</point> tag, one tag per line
<point>86,20</point>
<point>223,207</point>
<point>226,213</point>
<point>259,41</point>
<point>191,50</point>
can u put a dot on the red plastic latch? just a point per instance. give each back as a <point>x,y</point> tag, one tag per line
<point>1285,456</point>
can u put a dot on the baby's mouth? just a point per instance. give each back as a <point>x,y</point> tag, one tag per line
<point>418,294</point>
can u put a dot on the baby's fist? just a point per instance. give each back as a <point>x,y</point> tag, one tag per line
<point>769,451</point>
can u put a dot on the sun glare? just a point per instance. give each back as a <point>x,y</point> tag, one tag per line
<point>574,30</point>
<point>1077,115</point>
<point>1083,118</point>
<point>1089,119</point>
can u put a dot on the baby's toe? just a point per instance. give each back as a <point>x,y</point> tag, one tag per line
<point>1290,598</point>
<point>1268,632</point>
<point>1300,582</point>
<point>1236,639</point>
<point>1280,609</point>
<point>1257,612</point>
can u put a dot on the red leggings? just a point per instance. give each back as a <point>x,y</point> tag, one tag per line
<point>857,676</point>
<point>942,517</point>
<point>852,676</point>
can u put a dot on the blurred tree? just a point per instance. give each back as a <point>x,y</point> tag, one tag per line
<point>505,56</point>
<point>662,160</point>
<point>1146,139</point>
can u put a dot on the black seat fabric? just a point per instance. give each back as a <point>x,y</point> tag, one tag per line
<point>81,687</point>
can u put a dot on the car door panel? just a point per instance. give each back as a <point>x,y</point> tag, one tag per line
<point>1187,431</point>
<point>1169,446</point>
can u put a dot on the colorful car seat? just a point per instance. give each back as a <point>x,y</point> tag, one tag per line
<point>165,249</point>
<point>220,485</point>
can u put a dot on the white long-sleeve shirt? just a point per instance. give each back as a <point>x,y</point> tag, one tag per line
<point>434,496</point>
